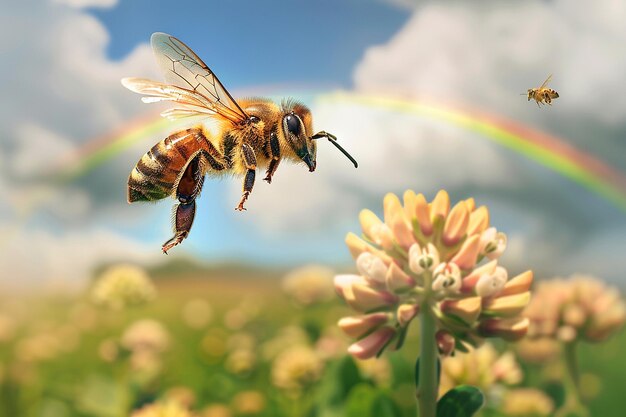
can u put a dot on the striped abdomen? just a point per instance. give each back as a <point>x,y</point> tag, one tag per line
<point>159,171</point>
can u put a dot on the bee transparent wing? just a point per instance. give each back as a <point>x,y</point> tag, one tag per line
<point>183,68</point>
<point>545,83</point>
<point>189,103</point>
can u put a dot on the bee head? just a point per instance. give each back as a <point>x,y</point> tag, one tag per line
<point>296,130</point>
<point>531,93</point>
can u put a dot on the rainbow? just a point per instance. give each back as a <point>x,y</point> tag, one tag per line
<point>545,149</point>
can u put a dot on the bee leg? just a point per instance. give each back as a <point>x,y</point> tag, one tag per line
<point>271,170</point>
<point>183,219</point>
<point>249,160</point>
<point>188,188</point>
<point>275,154</point>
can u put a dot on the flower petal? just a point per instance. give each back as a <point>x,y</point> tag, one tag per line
<point>358,326</point>
<point>372,344</point>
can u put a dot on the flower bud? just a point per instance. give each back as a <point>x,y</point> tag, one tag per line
<point>422,212</point>
<point>392,207</point>
<point>440,207</point>
<point>566,334</point>
<point>507,329</point>
<point>456,224</point>
<point>521,283</point>
<point>574,315</point>
<point>402,231</point>
<point>410,203</point>
<point>468,254</point>
<point>466,309</point>
<point>368,222</point>
<point>372,344</point>
<point>371,267</point>
<point>356,246</point>
<point>508,306</point>
<point>365,298</point>
<point>606,322</point>
<point>343,284</point>
<point>478,221</point>
<point>445,342</point>
<point>406,313</point>
<point>383,236</point>
<point>358,326</point>
<point>397,279</point>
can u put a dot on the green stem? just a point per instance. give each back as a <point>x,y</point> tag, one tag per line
<point>428,385</point>
<point>573,403</point>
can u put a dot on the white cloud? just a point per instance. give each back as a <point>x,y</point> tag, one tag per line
<point>60,91</point>
<point>44,257</point>
<point>490,52</point>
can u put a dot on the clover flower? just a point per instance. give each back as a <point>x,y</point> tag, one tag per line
<point>578,308</point>
<point>7,327</point>
<point>249,402</point>
<point>146,340</point>
<point>165,409</point>
<point>146,335</point>
<point>484,368</point>
<point>428,255</point>
<point>378,371</point>
<point>309,285</point>
<point>122,286</point>
<point>197,313</point>
<point>527,402</point>
<point>296,369</point>
<point>241,361</point>
<point>182,395</point>
<point>217,410</point>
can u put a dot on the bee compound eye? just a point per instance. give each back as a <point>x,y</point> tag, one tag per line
<point>254,119</point>
<point>293,124</point>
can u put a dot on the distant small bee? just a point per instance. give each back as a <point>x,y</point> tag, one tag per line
<point>542,95</point>
<point>252,133</point>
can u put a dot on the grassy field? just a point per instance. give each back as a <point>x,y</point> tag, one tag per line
<point>231,343</point>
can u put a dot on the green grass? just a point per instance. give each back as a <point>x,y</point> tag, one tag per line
<point>76,381</point>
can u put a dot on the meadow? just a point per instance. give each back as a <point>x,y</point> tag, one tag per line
<point>234,341</point>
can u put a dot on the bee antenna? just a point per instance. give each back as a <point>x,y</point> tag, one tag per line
<point>333,139</point>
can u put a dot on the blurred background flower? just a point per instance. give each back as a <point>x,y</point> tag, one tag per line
<point>578,308</point>
<point>123,286</point>
<point>309,284</point>
<point>483,367</point>
<point>296,370</point>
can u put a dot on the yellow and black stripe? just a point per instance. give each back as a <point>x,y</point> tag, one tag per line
<point>159,170</point>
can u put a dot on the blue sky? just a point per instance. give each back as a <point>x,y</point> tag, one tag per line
<point>261,42</point>
<point>64,90</point>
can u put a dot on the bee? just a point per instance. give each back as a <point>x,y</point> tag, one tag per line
<point>542,95</point>
<point>247,135</point>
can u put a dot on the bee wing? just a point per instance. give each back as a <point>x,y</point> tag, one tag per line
<point>191,103</point>
<point>183,68</point>
<point>545,83</point>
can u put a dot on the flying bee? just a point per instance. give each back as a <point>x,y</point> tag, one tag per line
<point>247,135</point>
<point>542,95</point>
